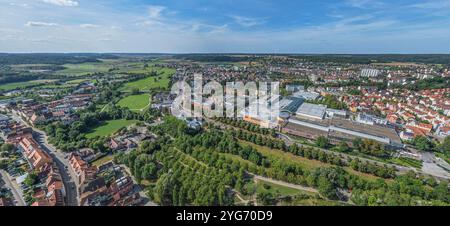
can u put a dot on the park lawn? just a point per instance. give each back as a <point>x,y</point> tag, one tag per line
<point>305,162</point>
<point>109,127</point>
<point>152,82</point>
<point>275,189</point>
<point>135,102</point>
<point>404,161</point>
<point>315,202</point>
<point>237,158</point>
<point>103,160</point>
<point>18,85</point>
<point>76,81</point>
<point>285,156</point>
<point>84,68</point>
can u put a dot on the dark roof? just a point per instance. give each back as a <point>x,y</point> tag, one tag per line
<point>92,185</point>
<point>294,105</point>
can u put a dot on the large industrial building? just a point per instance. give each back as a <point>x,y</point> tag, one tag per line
<point>312,121</point>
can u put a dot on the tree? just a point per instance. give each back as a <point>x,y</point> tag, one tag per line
<point>30,179</point>
<point>445,146</point>
<point>135,91</point>
<point>322,142</point>
<point>423,144</point>
<point>266,198</point>
<point>357,143</point>
<point>7,147</point>
<point>343,147</point>
<point>149,171</point>
<point>326,188</point>
<point>3,164</point>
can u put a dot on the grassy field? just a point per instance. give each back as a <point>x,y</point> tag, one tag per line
<point>408,162</point>
<point>135,102</point>
<point>103,160</point>
<point>287,157</point>
<point>160,81</point>
<point>304,162</point>
<point>109,127</point>
<point>84,68</point>
<point>275,189</point>
<point>18,85</point>
<point>444,157</point>
<point>76,81</point>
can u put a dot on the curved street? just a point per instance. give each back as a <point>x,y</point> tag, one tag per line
<point>18,199</point>
<point>68,176</point>
<point>63,165</point>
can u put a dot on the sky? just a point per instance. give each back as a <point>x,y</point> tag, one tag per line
<point>225,26</point>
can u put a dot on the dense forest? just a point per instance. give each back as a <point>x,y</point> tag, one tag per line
<point>51,58</point>
<point>378,58</point>
<point>208,167</point>
<point>213,57</point>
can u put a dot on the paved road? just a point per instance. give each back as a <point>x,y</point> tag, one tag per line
<point>431,165</point>
<point>67,175</point>
<point>147,201</point>
<point>18,199</point>
<point>63,166</point>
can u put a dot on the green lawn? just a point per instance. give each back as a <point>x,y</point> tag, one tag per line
<point>17,85</point>
<point>275,189</point>
<point>304,162</point>
<point>103,160</point>
<point>154,82</point>
<point>404,161</point>
<point>109,127</point>
<point>84,68</point>
<point>286,156</point>
<point>135,102</point>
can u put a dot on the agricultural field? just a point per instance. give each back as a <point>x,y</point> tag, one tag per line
<point>84,68</point>
<point>135,102</point>
<point>19,85</point>
<point>152,82</point>
<point>109,127</point>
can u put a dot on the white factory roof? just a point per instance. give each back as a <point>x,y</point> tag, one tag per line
<point>306,95</point>
<point>312,110</point>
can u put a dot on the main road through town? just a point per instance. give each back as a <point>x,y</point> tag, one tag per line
<point>68,176</point>
<point>15,190</point>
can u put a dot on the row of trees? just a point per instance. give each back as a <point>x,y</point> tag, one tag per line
<point>316,154</point>
<point>330,101</point>
<point>202,156</point>
<point>223,142</point>
<point>180,179</point>
<point>246,126</point>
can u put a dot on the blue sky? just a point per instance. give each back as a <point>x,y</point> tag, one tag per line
<point>245,26</point>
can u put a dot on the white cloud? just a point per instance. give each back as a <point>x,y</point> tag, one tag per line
<point>155,11</point>
<point>24,5</point>
<point>444,4</point>
<point>40,24</point>
<point>62,2</point>
<point>247,22</point>
<point>364,4</point>
<point>89,26</point>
